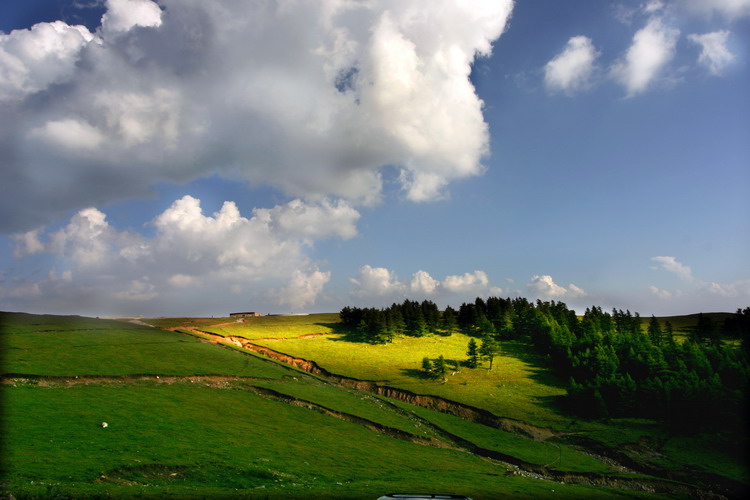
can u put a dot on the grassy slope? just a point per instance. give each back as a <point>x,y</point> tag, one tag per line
<point>188,439</point>
<point>683,324</point>
<point>85,346</point>
<point>518,387</point>
<point>514,388</point>
<point>279,326</point>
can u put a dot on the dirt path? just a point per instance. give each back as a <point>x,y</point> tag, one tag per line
<point>220,338</point>
<point>217,381</point>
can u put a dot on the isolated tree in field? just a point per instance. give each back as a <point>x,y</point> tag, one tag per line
<point>441,368</point>
<point>427,365</point>
<point>489,349</point>
<point>473,354</point>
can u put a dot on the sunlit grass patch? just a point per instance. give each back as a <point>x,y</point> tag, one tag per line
<point>279,326</point>
<point>517,386</point>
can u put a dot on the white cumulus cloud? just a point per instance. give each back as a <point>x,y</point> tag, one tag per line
<point>376,282</point>
<point>313,98</point>
<point>673,266</point>
<point>714,52</point>
<point>572,69</point>
<point>194,261</point>
<point>33,59</point>
<point>467,282</point>
<point>652,49</point>
<point>382,284</point>
<point>122,15</point>
<point>423,283</point>
<point>544,287</point>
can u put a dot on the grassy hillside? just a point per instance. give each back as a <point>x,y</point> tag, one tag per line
<point>519,386</point>
<point>171,436</point>
<point>192,419</point>
<point>69,346</point>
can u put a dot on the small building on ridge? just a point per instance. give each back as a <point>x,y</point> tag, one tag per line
<point>244,314</point>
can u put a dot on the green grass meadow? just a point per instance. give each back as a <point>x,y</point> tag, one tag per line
<point>277,327</point>
<point>228,424</point>
<point>518,386</point>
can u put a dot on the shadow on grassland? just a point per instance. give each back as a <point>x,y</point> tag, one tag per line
<point>417,374</point>
<point>347,334</point>
<point>539,370</point>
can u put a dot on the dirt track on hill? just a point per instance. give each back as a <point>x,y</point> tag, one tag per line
<point>217,381</point>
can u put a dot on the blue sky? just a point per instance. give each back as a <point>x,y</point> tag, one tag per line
<point>585,151</point>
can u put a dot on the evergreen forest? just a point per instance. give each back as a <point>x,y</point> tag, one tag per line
<point>614,366</point>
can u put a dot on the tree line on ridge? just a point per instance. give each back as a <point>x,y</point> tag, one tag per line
<point>613,366</point>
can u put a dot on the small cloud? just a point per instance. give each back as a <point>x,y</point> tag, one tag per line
<point>423,283</point>
<point>27,243</point>
<point>670,264</point>
<point>468,282</point>
<point>653,6</point>
<point>572,69</point>
<point>714,52</point>
<point>181,280</point>
<point>662,294</point>
<point>376,282</point>
<point>652,49</point>
<point>123,15</point>
<point>544,286</point>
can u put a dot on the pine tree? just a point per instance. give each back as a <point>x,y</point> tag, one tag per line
<point>473,354</point>
<point>654,331</point>
<point>448,322</point>
<point>488,350</point>
<point>669,333</point>
<point>441,368</point>
<point>427,365</point>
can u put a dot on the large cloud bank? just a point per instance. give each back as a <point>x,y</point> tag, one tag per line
<point>313,97</point>
<point>192,262</point>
